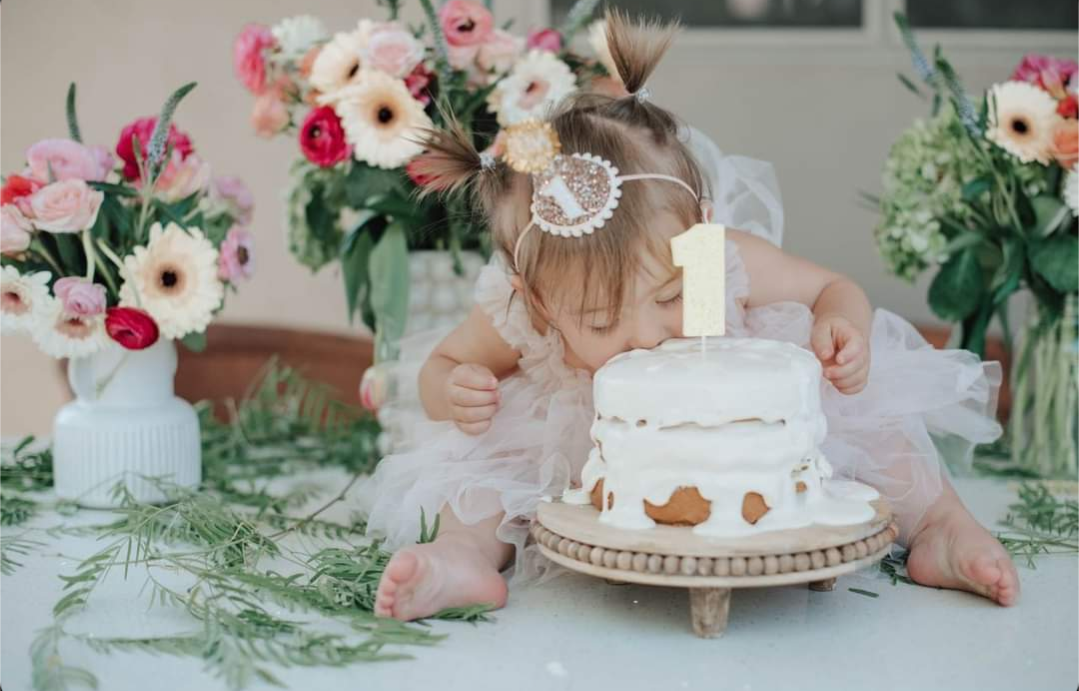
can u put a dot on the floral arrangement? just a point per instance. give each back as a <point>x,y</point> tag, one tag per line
<point>359,104</point>
<point>130,246</point>
<point>989,195</point>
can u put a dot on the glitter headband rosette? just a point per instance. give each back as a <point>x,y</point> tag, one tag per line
<point>572,195</point>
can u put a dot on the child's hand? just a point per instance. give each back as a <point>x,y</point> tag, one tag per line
<point>843,350</point>
<point>472,392</point>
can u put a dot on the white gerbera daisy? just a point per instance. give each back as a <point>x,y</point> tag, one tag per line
<point>338,63</point>
<point>22,298</point>
<point>1069,190</point>
<point>63,335</point>
<point>1021,121</point>
<point>537,83</point>
<point>174,278</point>
<point>382,121</point>
<point>296,35</point>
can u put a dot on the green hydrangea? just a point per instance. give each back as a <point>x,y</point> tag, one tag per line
<point>314,203</point>
<point>923,181</point>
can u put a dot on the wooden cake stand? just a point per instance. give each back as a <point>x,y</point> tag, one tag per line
<point>710,568</point>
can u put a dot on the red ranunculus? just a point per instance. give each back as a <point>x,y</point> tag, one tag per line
<point>144,129</point>
<point>419,82</point>
<point>16,187</point>
<point>132,328</point>
<point>322,138</point>
<point>1068,108</point>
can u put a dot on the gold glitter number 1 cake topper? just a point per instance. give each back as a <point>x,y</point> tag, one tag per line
<point>701,252</point>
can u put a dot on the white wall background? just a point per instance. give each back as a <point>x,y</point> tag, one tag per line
<point>823,108</point>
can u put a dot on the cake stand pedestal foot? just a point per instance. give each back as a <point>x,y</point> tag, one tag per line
<point>708,608</point>
<point>825,586</point>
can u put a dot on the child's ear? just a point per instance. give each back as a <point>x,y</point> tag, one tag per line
<point>518,285</point>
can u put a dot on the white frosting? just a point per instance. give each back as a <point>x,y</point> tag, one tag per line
<point>742,415</point>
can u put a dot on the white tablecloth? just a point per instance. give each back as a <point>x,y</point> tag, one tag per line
<point>581,633</point>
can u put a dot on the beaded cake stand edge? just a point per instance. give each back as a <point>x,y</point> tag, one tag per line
<point>710,579</point>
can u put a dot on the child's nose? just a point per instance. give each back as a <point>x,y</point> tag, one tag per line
<point>648,335</point>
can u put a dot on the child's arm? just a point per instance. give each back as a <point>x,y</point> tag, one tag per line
<point>841,310</point>
<point>459,381</point>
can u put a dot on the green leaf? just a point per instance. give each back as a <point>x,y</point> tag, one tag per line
<point>958,287</point>
<point>396,206</point>
<point>963,241</point>
<point>905,81</point>
<point>72,259</point>
<point>1057,261</point>
<point>1049,215</point>
<point>364,182</point>
<point>388,268</point>
<point>72,118</point>
<point>354,269</point>
<point>195,342</point>
<point>1009,274</point>
<point>113,188</point>
<point>977,187</point>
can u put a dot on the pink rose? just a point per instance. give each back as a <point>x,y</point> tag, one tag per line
<point>544,39</point>
<point>15,230</point>
<point>247,58</point>
<point>67,206</point>
<point>143,128</point>
<point>498,53</point>
<point>463,57</point>
<point>80,297</point>
<point>235,196</point>
<point>105,161</point>
<point>418,82</point>
<point>181,178</point>
<point>392,49</point>
<point>235,259</point>
<point>67,159</point>
<point>269,116</point>
<point>465,23</point>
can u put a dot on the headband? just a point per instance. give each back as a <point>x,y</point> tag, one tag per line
<point>572,195</point>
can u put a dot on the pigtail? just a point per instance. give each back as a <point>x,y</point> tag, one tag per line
<point>450,161</point>
<point>637,46</point>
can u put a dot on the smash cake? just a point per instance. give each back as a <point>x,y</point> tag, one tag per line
<point>724,437</point>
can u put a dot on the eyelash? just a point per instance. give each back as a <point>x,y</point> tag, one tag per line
<point>601,330</point>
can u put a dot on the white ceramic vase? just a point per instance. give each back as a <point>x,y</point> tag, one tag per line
<point>125,425</point>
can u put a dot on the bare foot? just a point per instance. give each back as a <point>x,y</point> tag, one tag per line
<point>953,550</point>
<point>422,580</point>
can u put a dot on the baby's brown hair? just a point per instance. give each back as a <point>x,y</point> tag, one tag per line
<point>632,133</point>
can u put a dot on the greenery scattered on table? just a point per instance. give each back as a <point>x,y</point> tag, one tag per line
<point>1040,523</point>
<point>240,549</point>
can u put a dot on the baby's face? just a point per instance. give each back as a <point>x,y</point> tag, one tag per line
<point>651,314</point>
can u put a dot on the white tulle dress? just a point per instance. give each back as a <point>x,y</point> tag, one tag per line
<point>539,439</point>
<point>917,399</point>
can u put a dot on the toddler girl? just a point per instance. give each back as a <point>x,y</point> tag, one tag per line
<point>509,392</point>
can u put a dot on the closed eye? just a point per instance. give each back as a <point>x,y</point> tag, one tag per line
<point>601,330</point>
<point>676,300</point>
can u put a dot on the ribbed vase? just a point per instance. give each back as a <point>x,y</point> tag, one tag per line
<point>127,426</point>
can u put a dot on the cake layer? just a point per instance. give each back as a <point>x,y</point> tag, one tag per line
<point>730,379</point>
<point>737,446</point>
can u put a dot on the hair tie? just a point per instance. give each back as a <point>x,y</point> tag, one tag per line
<point>487,160</point>
<point>642,94</point>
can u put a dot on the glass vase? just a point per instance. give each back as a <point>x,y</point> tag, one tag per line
<point>1044,425</point>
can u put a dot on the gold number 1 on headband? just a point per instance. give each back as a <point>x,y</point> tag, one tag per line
<point>701,252</point>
